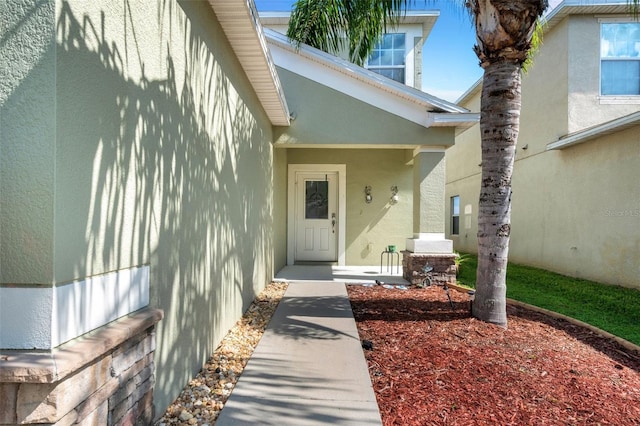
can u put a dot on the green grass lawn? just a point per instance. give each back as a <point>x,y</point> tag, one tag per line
<point>611,308</point>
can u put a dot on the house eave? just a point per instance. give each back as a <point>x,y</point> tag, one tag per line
<point>595,132</point>
<point>240,23</point>
<point>471,91</point>
<point>579,7</point>
<point>426,18</point>
<point>399,90</point>
<point>462,120</point>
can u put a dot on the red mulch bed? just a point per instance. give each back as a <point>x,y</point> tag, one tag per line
<point>433,365</point>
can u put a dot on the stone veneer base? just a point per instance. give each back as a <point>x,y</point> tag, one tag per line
<point>444,267</point>
<point>103,378</point>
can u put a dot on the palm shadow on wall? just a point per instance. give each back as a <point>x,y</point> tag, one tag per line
<point>175,176</point>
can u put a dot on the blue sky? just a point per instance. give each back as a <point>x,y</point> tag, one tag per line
<point>450,66</point>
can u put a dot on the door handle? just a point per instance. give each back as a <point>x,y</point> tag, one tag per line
<point>333,222</point>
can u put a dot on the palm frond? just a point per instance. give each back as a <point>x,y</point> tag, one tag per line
<point>536,44</point>
<point>333,25</point>
<point>634,8</point>
<point>318,23</point>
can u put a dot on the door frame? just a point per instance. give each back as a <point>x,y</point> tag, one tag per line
<point>292,171</point>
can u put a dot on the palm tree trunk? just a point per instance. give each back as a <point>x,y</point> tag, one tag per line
<point>499,127</point>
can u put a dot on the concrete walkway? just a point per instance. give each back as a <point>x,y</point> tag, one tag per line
<point>309,368</point>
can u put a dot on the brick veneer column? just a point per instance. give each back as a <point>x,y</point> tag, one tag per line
<point>444,267</point>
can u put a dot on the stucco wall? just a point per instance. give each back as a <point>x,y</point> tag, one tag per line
<point>577,210</point>
<point>586,106</point>
<point>151,149</point>
<point>582,216</point>
<point>328,117</point>
<point>370,227</point>
<point>27,141</point>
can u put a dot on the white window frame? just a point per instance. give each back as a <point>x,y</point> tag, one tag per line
<point>454,215</point>
<point>613,99</point>
<point>373,68</point>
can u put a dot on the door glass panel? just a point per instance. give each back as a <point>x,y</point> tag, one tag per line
<point>316,199</point>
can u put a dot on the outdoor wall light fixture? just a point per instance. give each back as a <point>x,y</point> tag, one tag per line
<point>394,195</point>
<point>368,198</point>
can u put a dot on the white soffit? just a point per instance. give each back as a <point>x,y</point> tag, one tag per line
<point>595,132</point>
<point>239,21</point>
<point>357,82</point>
<point>427,18</point>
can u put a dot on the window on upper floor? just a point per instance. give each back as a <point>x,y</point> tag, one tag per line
<point>388,57</point>
<point>620,58</point>
<point>455,215</point>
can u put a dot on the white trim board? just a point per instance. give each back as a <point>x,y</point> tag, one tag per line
<point>48,316</point>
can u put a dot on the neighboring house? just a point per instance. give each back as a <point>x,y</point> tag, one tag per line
<point>157,169</point>
<point>576,181</point>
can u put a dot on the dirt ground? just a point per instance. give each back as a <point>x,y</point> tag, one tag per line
<point>434,365</point>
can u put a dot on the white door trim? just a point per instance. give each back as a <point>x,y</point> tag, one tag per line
<point>341,169</point>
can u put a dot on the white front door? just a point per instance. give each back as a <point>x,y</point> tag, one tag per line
<point>316,216</point>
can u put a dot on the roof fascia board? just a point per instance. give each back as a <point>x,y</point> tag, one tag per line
<point>461,120</point>
<point>351,87</point>
<point>471,91</point>
<point>571,7</point>
<point>425,17</point>
<point>594,132</point>
<point>240,23</point>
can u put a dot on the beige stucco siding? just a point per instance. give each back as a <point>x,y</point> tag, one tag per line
<point>136,139</point>
<point>582,217</point>
<point>576,210</point>
<point>370,227</point>
<point>586,107</point>
<point>544,115</point>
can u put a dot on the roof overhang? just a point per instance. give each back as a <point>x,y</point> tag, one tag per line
<point>239,21</point>
<point>460,120</point>
<point>426,18</point>
<point>582,7</point>
<point>595,132</point>
<point>366,86</point>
